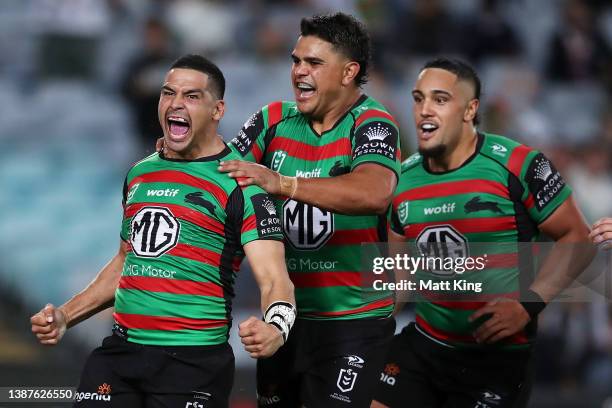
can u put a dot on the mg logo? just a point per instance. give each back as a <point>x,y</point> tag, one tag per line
<point>305,226</point>
<point>154,231</point>
<point>442,241</point>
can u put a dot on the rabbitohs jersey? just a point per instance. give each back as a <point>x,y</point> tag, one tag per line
<point>323,249</point>
<point>186,224</point>
<point>499,195</point>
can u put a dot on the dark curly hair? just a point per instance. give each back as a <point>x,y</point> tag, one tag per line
<point>346,34</point>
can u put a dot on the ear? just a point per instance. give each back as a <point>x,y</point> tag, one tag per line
<point>471,110</point>
<point>219,110</point>
<point>350,71</point>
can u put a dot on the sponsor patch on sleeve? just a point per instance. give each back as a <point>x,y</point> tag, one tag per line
<point>543,180</point>
<point>266,218</point>
<point>376,137</point>
<point>248,134</point>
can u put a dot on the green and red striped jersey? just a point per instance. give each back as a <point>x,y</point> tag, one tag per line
<point>323,249</point>
<point>495,200</point>
<point>186,224</point>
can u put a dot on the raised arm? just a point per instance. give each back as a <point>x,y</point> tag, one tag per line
<point>51,323</point>
<point>267,260</point>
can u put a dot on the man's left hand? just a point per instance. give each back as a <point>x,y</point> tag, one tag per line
<point>260,339</point>
<point>248,173</point>
<point>508,317</point>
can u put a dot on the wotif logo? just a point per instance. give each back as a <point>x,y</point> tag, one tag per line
<point>169,192</point>
<point>446,208</point>
<point>308,174</point>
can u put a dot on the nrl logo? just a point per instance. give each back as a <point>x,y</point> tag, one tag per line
<point>402,212</point>
<point>131,193</point>
<point>278,159</point>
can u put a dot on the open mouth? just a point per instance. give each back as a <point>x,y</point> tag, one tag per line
<point>428,128</point>
<point>178,126</point>
<point>305,90</point>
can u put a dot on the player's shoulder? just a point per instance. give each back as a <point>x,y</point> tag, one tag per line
<point>143,163</point>
<point>502,149</point>
<point>369,109</point>
<point>412,162</point>
<point>277,111</point>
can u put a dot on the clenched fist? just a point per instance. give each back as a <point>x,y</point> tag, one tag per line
<point>260,339</point>
<point>49,325</point>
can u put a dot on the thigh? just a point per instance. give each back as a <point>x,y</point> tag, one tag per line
<point>277,380</point>
<point>190,377</point>
<point>404,380</point>
<point>109,376</point>
<point>502,381</point>
<point>346,364</point>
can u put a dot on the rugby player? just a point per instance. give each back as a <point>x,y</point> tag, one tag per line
<point>467,186</point>
<point>185,229</point>
<point>331,158</point>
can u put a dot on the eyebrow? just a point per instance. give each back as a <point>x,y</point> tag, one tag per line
<point>189,91</point>
<point>435,92</point>
<point>310,60</point>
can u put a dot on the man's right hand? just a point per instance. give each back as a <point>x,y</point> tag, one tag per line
<point>49,325</point>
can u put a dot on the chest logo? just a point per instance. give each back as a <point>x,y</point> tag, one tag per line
<point>442,241</point>
<point>277,159</point>
<point>153,232</point>
<point>402,212</point>
<point>305,226</point>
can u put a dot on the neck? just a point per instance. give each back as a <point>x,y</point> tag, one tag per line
<point>456,156</point>
<point>339,108</point>
<point>209,145</point>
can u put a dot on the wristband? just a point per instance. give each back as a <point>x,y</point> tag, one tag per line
<point>533,304</point>
<point>282,316</point>
<point>288,185</point>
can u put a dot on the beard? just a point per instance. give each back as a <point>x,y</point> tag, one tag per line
<point>433,152</point>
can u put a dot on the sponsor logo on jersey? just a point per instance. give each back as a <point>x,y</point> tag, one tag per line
<point>196,198</point>
<point>355,361</point>
<point>131,193</point>
<point>306,226</point>
<point>168,192</point>
<point>248,134</point>
<point>499,150</point>
<point>377,138</point>
<point>442,241</point>
<point>153,232</point>
<point>446,208</point>
<point>308,174</point>
<point>267,220</point>
<point>389,373</point>
<point>377,132</point>
<point>338,169</point>
<point>194,404</point>
<point>277,159</point>
<point>346,379</point>
<point>491,397</point>
<point>402,211</point>
<point>103,394</point>
<point>475,205</point>
<point>544,181</point>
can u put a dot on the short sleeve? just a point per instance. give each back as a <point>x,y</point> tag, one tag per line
<point>544,187</point>
<point>258,218</point>
<point>376,140</point>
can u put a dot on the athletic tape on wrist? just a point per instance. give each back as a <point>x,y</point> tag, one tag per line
<point>282,316</point>
<point>288,185</point>
<point>533,304</point>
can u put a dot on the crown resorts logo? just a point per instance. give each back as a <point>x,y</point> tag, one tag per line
<point>377,132</point>
<point>543,170</point>
<point>269,206</point>
<point>250,121</point>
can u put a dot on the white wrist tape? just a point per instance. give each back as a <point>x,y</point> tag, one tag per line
<point>281,315</point>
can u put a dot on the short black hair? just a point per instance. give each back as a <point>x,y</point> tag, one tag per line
<point>464,72</point>
<point>346,34</point>
<point>206,66</point>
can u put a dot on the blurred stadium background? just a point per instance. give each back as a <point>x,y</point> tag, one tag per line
<point>79,81</point>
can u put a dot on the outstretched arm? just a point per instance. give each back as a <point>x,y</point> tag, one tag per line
<point>263,338</point>
<point>368,189</point>
<point>51,323</point>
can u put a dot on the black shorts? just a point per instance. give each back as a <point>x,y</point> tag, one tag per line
<point>422,373</point>
<point>124,374</point>
<point>325,364</point>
